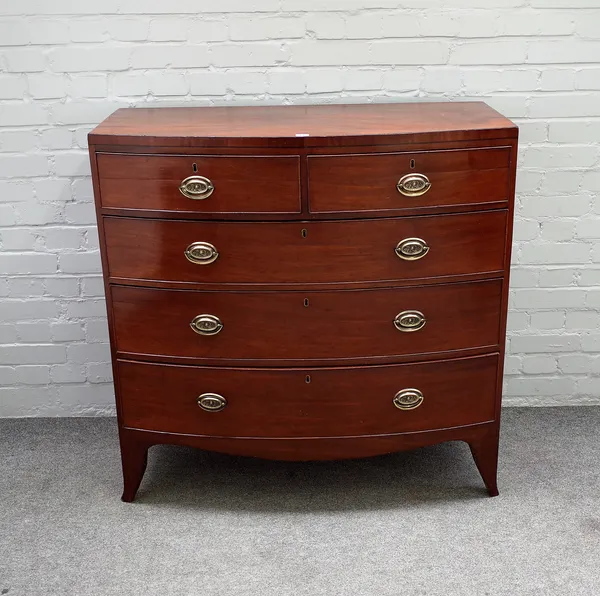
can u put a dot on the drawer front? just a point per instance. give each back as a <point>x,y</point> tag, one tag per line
<point>351,324</point>
<point>434,179</point>
<point>334,402</point>
<point>222,184</point>
<point>305,252</point>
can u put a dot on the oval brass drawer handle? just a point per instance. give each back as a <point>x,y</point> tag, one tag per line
<point>410,320</point>
<point>411,249</point>
<point>212,402</point>
<point>196,187</point>
<point>201,253</point>
<point>413,185</point>
<point>206,324</point>
<point>408,399</point>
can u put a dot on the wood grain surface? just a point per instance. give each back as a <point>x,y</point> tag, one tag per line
<point>303,126</point>
<point>335,326</point>
<point>305,253</point>
<point>367,183</point>
<point>322,402</point>
<point>241,184</point>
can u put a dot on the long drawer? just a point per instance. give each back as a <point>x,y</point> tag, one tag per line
<point>396,182</point>
<point>331,325</point>
<point>308,402</point>
<point>200,184</point>
<point>305,252</point>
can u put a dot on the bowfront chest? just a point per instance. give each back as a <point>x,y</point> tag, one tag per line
<point>306,282</point>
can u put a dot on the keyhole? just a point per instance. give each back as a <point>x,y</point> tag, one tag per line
<point>304,232</point>
<point>195,167</point>
<point>306,303</point>
<point>412,163</point>
<point>307,378</point>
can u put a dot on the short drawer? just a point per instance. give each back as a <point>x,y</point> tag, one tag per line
<point>396,182</point>
<point>199,183</point>
<point>322,402</point>
<point>305,252</point>
<point>330,325</point>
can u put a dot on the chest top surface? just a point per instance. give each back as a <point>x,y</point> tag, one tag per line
<point>304,126</point>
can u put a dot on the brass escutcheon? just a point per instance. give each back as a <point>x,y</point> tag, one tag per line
<point>196,187</point>
<point>206,325</point>
<point>409,321</point>
<point>201,253</point>
<point>408,399</point>
<point>411,249</point>
<point>413,185</point>
<point>212,402</point>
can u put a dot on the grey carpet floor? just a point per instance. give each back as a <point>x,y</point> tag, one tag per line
<point>414,523</point>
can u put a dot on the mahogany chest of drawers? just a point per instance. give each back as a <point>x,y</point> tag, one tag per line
<point>306,282</point>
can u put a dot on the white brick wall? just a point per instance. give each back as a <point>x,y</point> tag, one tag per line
<point>65,65</point>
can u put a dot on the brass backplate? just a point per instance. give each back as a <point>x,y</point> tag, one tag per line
<point>196,187</point>
<point>411,249</point>
<point>408,399</point>
<point>413,185</point>
<point>201,253</point>
<point>211,402</point>
<point>410,320</point>
<point>206,325</point>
